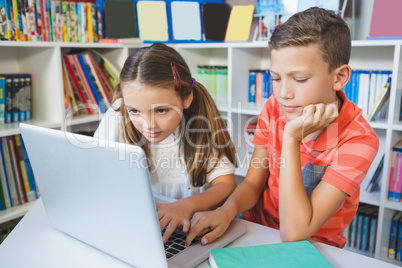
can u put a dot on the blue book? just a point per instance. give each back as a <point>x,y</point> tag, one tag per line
<point>365,233</point>
<point>9,100</point>
<point>91,84</point>
<point>2,98</point>
<point>252,87</point>
<point>356,89</point>
<point>393,235</point>
<point>28,167</point>
<point>359,229</point>
<point>399,241</point>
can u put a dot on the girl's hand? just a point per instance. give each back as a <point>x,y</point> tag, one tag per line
<point>174,215</point>
<point>315,117</point>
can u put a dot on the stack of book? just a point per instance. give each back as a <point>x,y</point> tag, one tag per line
<point>260,88</point>
<point>369,90</point>
<point>15,97</point>
<point>17,181</point>
<point>362,231</point>
<point>45,20</point>
<point>214,79</point>
<point>89,82</point>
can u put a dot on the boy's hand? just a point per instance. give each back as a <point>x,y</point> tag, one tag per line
<point>210,225</point>
<point>315,117</point>
<point>172,216</point>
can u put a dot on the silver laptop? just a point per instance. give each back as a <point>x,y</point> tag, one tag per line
<point>99,192</point>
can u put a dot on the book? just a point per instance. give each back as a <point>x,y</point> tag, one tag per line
<point>186,20</point>
<point>399,241</point>
<point>105,82</point>
<point>109,70</point>
<point>383,95</point>
<point>4,180</point>
<point>127,41</point>
<point>215,19</point>
<point>2,98</point>
<point>83,80</point>
<point>97,80</point>
<point>16,171</point>
<point>239,24</point>
<point>290,254</point>
<point>30,194</point>
<point>152,20</point>
<point>395,177</point>
<point>14,193</point>
<point>94,88</point>
<point>28,167</point>
<point>78,86</point>
<point>120,19</point>
<point>375,180</point>
<point>8,98</point>
<point>393,235</point>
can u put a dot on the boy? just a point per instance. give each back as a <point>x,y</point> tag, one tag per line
<point>313,146</point>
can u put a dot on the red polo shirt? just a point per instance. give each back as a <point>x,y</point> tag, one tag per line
<point>341,156</point>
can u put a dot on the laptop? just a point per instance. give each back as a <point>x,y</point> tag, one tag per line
<point>99,192</point>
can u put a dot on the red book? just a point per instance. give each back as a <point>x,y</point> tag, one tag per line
<point>73,74</point>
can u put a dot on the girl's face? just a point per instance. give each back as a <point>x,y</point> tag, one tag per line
<point>155,112</point>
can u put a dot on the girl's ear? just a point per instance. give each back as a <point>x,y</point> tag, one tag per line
<point>188,100</point>
<point>342,76</point>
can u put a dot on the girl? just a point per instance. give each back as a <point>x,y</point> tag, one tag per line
<point>160,107</point>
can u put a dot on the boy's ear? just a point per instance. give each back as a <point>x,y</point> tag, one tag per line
<point>342,76</point>
<point>188,100</point>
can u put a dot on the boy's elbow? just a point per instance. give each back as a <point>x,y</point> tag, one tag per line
<point>290,236</point>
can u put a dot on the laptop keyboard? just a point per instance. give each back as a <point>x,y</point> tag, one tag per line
<point>177,243</point>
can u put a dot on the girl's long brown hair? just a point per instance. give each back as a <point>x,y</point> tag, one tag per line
<point>152,66</point>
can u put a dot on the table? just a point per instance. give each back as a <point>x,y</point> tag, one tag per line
<point>34,243</point>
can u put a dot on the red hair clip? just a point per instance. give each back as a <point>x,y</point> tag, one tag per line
<point>176,76</point>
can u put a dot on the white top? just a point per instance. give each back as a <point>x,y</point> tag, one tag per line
<point>168,171</point>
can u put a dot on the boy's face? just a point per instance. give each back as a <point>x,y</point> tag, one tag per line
<point>300,77</point>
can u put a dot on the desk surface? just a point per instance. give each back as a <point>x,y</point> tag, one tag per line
<point>34,243</point>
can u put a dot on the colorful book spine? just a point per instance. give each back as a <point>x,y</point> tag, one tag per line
<point>32,20</point>
<point>9,101</point>
<point>15,100</point>
<point>91,84</point>
<point>4,179</point>
<point>221,85</point>
<point>252,87</point>
<point>2,99</point>
<point>30,174</point>
<point>27,97</point>
<point>393,235</point>
<point>395,178</point>
<point>259,82</point>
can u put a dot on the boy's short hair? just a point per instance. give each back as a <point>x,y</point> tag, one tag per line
<point>316,26</point>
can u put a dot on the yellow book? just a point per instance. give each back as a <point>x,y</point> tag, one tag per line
<point>90,27</point>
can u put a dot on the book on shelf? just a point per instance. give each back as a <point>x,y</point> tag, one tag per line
<point>290,254</point>
<point>374,183</point>
<point>16,172</point>
<point>30,193</point>
<point>109,70</point>
<point>362,231</point>
<point>93,87</point>
<point>393,235</point>
<point>2,98</point>
<point>95,76</point>
<point>4,181</point>
<point>395,177</point>
<point>381,98</point>
<point>75,77</point>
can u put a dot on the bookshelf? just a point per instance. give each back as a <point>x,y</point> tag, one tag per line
<point>43,61</point>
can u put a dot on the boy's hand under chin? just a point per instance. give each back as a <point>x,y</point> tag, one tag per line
<point>311,122</point>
